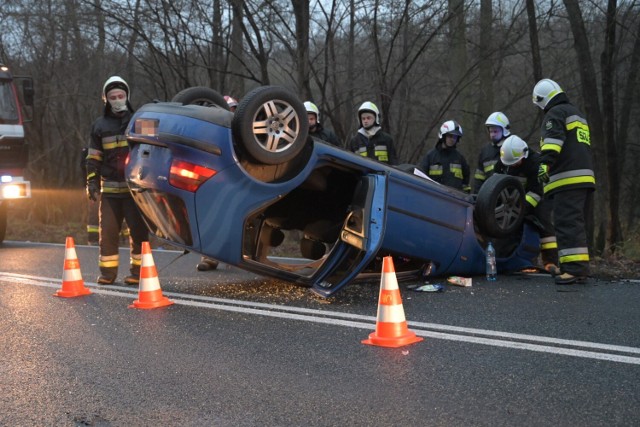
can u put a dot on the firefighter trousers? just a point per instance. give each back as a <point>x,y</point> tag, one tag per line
<point>548,241</point>
<point>113,210</point>
<point>570,209</point>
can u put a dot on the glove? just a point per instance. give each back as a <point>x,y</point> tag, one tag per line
<point>543,174</point>
<point>93,190</point>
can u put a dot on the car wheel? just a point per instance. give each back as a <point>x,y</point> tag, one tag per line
<point>500,206</point>
<point>271,125</point>
<point>200,95</point>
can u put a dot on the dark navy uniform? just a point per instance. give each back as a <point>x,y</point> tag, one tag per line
<point>447,166</point>
<point>566,148</point>
<point>379,146</point>
<point>324,134</point>
<point>487,159</point>
<point>108,150</point>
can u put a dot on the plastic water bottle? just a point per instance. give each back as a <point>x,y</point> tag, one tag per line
<point>491,263</point>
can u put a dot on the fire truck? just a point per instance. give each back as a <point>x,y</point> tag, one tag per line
<point>14,151</point>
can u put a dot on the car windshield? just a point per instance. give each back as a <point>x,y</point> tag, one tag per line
<point>8,106</point>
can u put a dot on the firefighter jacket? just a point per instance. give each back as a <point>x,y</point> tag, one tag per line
<point>527,173</point>
<point>447,166</point>
<point>565,145</point>
<point>324,134</point>
<point>487,159</point>
<point>108,150</point>
<point>379,146</point>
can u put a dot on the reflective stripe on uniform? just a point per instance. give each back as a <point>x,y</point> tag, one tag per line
<point>108,261</point>
<point>479,175</point>
<point>381,153</point>
<point>533,198</point>
<point>456,169</point>
<point>94,154</point>
<point>582,128</point>
<point>578,176</point>
<point>573,254</point>
<point>548,243</point>
<point>488,166</point>
<point>115,187</point>
<point>435,170</point>
<point>113,142</point>
<point>551,144</point>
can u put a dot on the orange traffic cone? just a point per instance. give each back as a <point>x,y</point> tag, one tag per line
<point>391,326</point>
<point>149,292</point>
<point>72,283</point>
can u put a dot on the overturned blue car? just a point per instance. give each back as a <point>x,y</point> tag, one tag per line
<point>238,187</point>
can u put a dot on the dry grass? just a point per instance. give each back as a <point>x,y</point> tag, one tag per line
<point>49,216</point>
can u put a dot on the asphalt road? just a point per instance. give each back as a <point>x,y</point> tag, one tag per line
<point>237,349</point>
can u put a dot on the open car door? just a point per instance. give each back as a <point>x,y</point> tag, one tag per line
<point>360,237</point>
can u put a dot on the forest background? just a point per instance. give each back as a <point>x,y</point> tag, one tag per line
<point>422,62</point>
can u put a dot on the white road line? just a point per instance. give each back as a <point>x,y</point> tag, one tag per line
<point>469,335</point>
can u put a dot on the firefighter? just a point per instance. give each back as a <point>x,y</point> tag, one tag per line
<point>517,160</point>
<point>498,128</point>
<point>566,171</point>
<point>444,163</point>
<point>108,150</point>
<point>316,129</point>
<point>370,141</point>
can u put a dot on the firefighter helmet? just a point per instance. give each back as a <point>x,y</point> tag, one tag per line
<point>313,109</point>
<point>369,107</point>
<point>231,102</point>
<point>501,120</point>
<point>114,82</point>
<point>544,91</point>
<point>450,127</point>
<point>513,149</point>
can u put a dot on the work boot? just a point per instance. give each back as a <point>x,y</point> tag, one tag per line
<point>207,264</point>
<point>104,280</point>
<point>132,280</point>
<point>570,279</point>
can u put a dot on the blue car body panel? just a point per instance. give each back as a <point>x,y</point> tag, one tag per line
<point>355,207</point>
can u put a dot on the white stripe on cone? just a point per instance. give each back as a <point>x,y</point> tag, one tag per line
<point>149,284</point>
<point>71,275</point>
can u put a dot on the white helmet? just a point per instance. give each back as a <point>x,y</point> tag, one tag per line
<point>114,82</point>
<point>369,107</point>
<point>544,91</point>
<point>513,149</point>
<point>450,127</point>
<point>312,108</point>
<point>499,119</point>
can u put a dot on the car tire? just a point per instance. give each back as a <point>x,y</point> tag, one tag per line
<point>271,125</point>
<point>500,206</point>
<point>200,95</point>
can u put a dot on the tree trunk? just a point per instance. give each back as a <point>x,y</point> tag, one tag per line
<point>236,54</point>
<point>592,109</point>
<point>301,13</point>
<point>536,62</point>
<point>485,100</point>
<point>628,99</point>
<point>609,116</point>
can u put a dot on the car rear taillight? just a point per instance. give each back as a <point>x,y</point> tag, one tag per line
<point>188,176</point>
